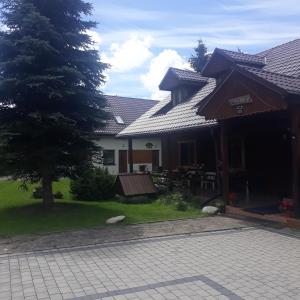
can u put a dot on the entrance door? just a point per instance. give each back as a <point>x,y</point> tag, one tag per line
<point>123,162</point>
<point>155,160</point>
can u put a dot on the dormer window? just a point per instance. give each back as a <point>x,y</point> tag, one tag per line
<point>178,96</point>
<point>182,94</point>
<point>119,120</point>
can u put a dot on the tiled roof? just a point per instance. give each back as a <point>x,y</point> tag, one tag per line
<point>243,58</point>
<point>183,116</point>
<point>283,59</point>
<point>129,109</point>
<point>287,83</point>
<point>189,75</point>
<point>279,67</point>
<point>181,76</point>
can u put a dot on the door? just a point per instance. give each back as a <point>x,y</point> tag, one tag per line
<point>123,162</point>
<point>155,160</point>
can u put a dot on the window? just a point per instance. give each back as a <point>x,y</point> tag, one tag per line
<point>182,94</point>
<point>187,153</point>
<point>108,157</point>
<point>119,120</point>
<point>175,97</point>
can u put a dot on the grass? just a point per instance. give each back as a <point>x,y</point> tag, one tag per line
<point>20,214</point>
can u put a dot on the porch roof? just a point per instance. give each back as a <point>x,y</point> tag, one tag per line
<point>282,84</point>
<point>282,59</point>
<point>240,57</point>
<point>289,84</point>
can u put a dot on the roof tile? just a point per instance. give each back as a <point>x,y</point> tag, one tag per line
<point>283,59</point>
<point>288,83</point>
<point>182,116</point>
<point>129,109</point>
<point>244,58</point>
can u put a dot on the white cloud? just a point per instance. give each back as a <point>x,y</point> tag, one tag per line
<point>267,7</point>
<point>95,38</point>
<point>130,55</point>
<point>158,68</point>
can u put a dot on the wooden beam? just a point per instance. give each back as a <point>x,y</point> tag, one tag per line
<point>225,158</point>
<point>214,136</point>
<point>295,118</point>
<point>169,152</point>
<point>130,155</point>
<point>164,151</point>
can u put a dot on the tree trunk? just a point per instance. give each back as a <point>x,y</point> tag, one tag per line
<point>48,199</point>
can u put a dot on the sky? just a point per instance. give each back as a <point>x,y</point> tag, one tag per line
<point>141,39</point>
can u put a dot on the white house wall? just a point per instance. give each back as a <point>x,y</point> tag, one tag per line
<point>111,143</point>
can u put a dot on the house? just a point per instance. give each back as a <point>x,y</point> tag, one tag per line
<point>114,156</point>
<point>240,117</point>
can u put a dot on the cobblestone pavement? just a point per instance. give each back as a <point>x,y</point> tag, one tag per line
<point>244,263</point>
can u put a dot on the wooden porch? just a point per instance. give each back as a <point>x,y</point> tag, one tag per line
<point>259,141</point>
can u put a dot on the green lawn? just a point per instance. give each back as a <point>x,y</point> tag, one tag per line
<point>20,214</point>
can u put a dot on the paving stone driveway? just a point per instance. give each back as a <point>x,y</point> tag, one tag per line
<point>244,263</point>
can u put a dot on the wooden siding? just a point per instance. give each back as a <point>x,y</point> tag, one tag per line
<point>263,99</point>
<point>204,153</point>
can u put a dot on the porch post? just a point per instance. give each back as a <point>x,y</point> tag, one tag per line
<point>295,160</point>
<point>130,155</point>
<point>225,164</point>
<point>214,136</point>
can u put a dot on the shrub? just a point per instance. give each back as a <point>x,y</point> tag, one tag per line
<point>58,195</point>
<point>37,193</point>
<point>171,198</point>
<point>182,205</point>
<point>93,185</point>
<point>177,199</point>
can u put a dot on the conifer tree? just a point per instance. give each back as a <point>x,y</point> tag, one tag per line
<point>200,58</point>
<point>50,103</point>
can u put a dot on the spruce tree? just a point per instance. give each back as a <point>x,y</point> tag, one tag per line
<point>200,58</point>
<point>50,103</point>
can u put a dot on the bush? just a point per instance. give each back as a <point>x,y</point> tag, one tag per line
<point>172,198</point>
<point>182,205</point>
<point>58,195</point>
<point>93,185</point>
<point>177,199</point>
<point>37,193</point>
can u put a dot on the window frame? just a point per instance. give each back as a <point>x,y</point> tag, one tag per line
<point>194,159</point>
<point>113,163</point>
<point>119,120</point>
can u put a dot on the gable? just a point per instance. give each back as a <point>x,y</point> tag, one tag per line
<point>216,65</point>
<point>238,96</point>
<point>222,60</point>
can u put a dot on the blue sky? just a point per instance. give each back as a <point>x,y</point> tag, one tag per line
<point>141,39</point>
